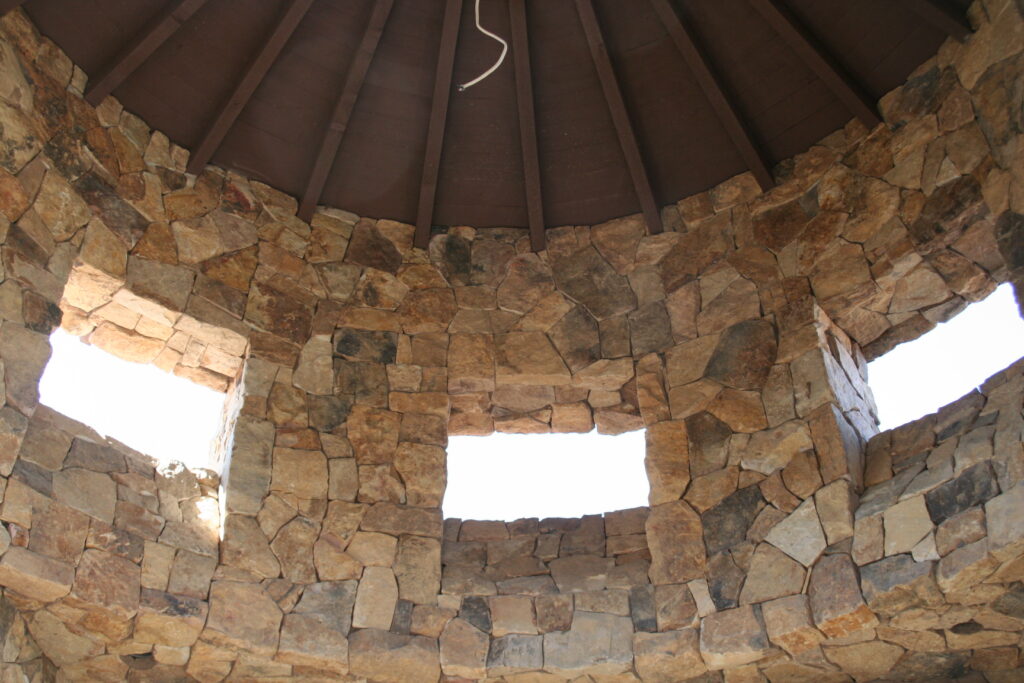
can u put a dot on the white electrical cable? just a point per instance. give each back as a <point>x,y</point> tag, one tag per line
<point>504,51</point>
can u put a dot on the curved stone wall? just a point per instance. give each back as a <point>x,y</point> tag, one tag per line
<point>738,339</point>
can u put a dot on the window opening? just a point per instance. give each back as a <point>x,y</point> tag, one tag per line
<point>154,412</point>
<point>515,476</point>
<point>919,377</point>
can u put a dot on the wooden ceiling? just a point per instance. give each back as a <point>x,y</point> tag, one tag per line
<point>603,107</point>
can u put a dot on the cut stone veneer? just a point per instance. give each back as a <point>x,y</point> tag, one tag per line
<point>738,339</point>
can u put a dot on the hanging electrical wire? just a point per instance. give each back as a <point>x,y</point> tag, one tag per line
<point>501,58</point>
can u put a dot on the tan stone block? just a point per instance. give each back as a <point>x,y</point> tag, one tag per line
<point>373,549</point>
<point>772,574</point>
<point>463,650</point>
<point>529,358</point>
<point>836,602</point>
<point>788,622</point>
<point>1005,526</point>
<point>106,582</point>
<point>569,418</point>
<point>965,567</point>
<point>554,612</point>
<point>865,661</point>
<point>597,644</point>
<point>170,620</point>
<point>418,569</point>
<point>471,361</point>
<point>836,503</point>
<point>243,616</point>
<point>732,638</point>
<point>799,535</point>
<point>375,599</point>
<point>667,461</point>
<point>773,449</point>
<point>393,658</point>
<point>511,614</point>
<point>63,646</point>
<point>668,657</point>
<point>35,576</point>
<point>422,469</point>
<point>906,523</point>
<point>606,601</point>
<point>675,538</point>
<point>300,473</point>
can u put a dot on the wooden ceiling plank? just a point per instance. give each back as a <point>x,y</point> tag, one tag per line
<point>819,61</point>
<point>139,50</point>
<point>620,117</point>
<point>728,114</point>
<point>251,79</point>
<point>438,118</point>
<point>527,123</point>
<point>7,5</point>
<point>343,108</point>
<point>943,16</point>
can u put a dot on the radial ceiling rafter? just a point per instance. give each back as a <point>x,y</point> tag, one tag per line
<point>438,119</point>
<point>335,130</point>
<point>620,117</point>
<point>165,25</point>
<point>243,91</point>
<point>727,112</point>
<point>818,60</point>
<point>527,123</point>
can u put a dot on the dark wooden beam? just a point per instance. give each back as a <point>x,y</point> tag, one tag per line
<point>943,16</point>
<point>7,5</point>
<point>254,74</point>
<point>819,61</point>
<point>620,117</point>
<point>527,123</point>
<point>343,108</point>
<point>438,117</point>
<point>726,111</point>
<point>158,31</point>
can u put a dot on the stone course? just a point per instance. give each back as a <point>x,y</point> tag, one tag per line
<point>785,539</point>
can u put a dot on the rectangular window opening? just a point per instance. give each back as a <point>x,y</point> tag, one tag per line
<point>163,415</point>
<point>516,476</point>
<point>918,377</point>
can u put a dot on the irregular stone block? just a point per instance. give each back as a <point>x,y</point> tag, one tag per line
<point>581,573</point>
<point>865,661</point>
<point>464,650</point>
<point>108,583</point>
<point>836,503</point>
<point>596,644</point>
<point>885,582</point>
<point>667,461</point>
<point>668,657</point>
<point>314,633</point>
<point>35,576</point>
<point>965,567</point>
<point>418,569</point>
<point>744,355</point>
<point>243,616</point>
<point>772,574</point>
<point>799,535</point>
<point>1004,515</point>
<point>376,599</point>
<point>726,524</point>
<point>249,468</point>
<point>836,602</point>
<point>976,485</point>
<point>732,638</point>
<point>93,493</point>
<point>788,622</point>
<point>168,619</point>
<point>514,653</point>
<point>393,658</point>
<point>676,541</point>
<point>906,523</point>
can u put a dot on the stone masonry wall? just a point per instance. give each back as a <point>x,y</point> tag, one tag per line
<point>738,339</point>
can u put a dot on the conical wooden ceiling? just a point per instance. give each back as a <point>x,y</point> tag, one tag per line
<point>602,108</point>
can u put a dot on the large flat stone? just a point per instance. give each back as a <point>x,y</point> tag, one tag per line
<point>35,576</point>
<point>392,658</point>
<point>732,638</point>
<point>676,541</point>
<point>596,644</point>
<point>668,657</point>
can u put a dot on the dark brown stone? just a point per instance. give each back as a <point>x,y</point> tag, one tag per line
<point>744,355</point>
<point>366,345</point>
<point>726,524</point>
<point>576,338</point>
<point>368,247</point>
<point>709,443</point>
<point>588,279</point>
<point>649,329</point>
<point>949,209</point>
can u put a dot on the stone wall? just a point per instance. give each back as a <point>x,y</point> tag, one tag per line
<point>738,339</point>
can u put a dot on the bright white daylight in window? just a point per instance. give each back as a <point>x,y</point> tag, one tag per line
<point>921,376</point>
<point>154,412</point>
<point>515,476</point>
